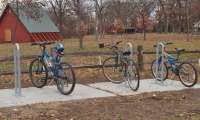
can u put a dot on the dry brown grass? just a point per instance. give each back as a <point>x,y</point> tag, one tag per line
<point>93,75</point>
<point>90,44</point>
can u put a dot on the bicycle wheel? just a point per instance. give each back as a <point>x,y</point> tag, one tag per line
<point>38,73</point>
<point>132,75</point>
<point>113,71</point>
<point>66,79</point>
<point>187,74</point>
<point>165,71</point>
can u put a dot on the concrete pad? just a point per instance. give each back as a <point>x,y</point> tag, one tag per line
<point>106,89</point>
<point>47,94</point>
<point>148,85</point>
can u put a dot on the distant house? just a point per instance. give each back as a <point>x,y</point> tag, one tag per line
<point>26,29</point>
<point>196,28</point>
<point>130,30</point>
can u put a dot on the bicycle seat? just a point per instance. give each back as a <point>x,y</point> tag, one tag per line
<point>127,53</point>
<point>179,50</point>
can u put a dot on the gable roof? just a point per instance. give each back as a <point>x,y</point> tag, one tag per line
<point>42,24</point>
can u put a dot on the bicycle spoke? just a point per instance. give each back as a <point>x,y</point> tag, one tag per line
<point>112,70</point>
<point>187,74</point>
<point>38,73</point>
<point>132,76</point>
<point>163,75</point>
<point>66,80</point>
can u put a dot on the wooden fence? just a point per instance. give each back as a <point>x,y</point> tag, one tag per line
<point>139,53</point>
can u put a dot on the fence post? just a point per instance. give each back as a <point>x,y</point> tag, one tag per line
<point>140,57</point>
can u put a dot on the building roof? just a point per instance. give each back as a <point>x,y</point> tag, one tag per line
<point>42,24</point>
<point>39,29</point>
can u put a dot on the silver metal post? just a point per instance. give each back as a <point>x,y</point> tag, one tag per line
<point>129,47</point>
<point>157,59</point>
<point>160,53</point>
<point>17,70</point>
<point>162,63</point>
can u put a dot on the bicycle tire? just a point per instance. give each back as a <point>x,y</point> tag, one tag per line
<point>116,76</point>
<point>135,71</point>
<point>194,71</point>
<point>40,70</point>
<point>154,74</point>
<point>60,81</point>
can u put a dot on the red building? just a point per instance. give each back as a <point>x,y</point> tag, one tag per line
<point>18,27</point>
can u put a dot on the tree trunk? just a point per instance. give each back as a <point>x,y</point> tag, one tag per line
<point>144,27</point>
<point>60,17</point>
<point>60,24</point>
<point>188,21</point>
<point>78,30</point>
<point>81,42</point>
<point>166,24</point>
<point>97,23</point>
<point>144,34</point>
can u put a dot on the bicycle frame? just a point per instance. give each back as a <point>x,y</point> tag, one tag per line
<point>121,59</point>
<point>52,65</point>
<point>170,60</point>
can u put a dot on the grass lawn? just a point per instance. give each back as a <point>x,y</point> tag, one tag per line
<point>72,45</point>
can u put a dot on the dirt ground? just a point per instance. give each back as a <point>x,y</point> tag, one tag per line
<point>182,105</point>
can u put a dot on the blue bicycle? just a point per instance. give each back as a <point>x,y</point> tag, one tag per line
<point>184,70</point>
<point>49,66</point>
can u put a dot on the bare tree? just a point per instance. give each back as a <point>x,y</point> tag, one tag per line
<point>99,12</point>
<point>82,16</point>
<point>60,8</point>
<point>144,9</point>
<point>187,12</point>
<point>121,11</point>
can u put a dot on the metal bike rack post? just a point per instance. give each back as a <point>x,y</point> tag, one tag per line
<point>129,47</point>
<point>160,53</point>
<point>17,70</point>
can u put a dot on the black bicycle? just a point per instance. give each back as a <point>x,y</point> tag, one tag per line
<point>184,70</point>
<point>48,66</point>
<point>120,67</point>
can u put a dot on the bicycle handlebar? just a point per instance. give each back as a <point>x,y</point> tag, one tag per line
<point>168,43</point>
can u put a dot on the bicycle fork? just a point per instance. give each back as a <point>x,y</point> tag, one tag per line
<point>125,67</point>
